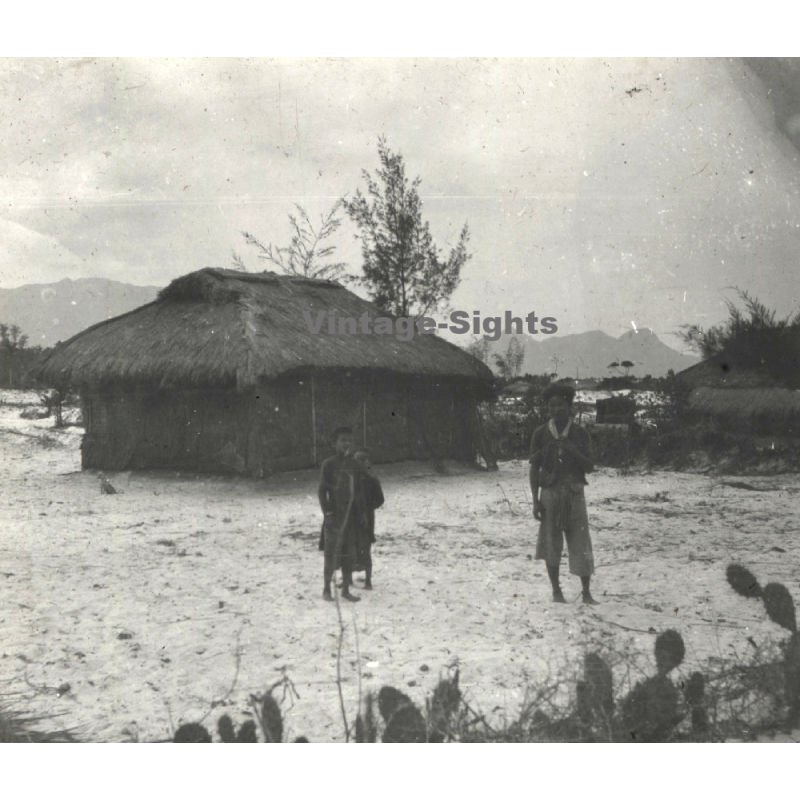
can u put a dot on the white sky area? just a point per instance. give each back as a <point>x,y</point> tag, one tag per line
<point>606,193</point>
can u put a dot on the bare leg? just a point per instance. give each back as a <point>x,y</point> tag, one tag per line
<point>347,582</point>
<point>327,577</point>
<point>552,573</point>
<point>368,568</point>
<point>587,595</point>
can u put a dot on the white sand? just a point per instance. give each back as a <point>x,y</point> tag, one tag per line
<point>195,569</point>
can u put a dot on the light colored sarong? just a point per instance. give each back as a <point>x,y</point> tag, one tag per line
<point>564,508</point>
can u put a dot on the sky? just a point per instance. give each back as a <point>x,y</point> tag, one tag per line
<point>607,193</point>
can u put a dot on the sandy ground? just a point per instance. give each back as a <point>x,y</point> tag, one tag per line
<point>181,595</point>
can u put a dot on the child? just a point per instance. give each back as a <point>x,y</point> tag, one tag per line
<point>561,455</point>
<point>342,502</point>
<point>373,498</point>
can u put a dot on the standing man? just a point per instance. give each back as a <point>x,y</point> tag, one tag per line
<point>341,498</point>
<point>561,455</point>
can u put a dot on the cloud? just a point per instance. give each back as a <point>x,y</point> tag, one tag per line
<point>30,257</point>
<point>780,90</point>
<point>608,188</point>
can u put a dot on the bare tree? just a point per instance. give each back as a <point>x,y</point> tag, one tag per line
<point>307,253</point>
<point>753,338</point>
<point>480,349</point>
<point>557,361</point>
<point>515,355</point>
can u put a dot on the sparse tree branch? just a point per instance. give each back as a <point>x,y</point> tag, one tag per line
<point>402,267</point>
<point>305,255</point>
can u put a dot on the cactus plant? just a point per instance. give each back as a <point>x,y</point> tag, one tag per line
<point>404,721</point>
<point>650,711</point>
<point>780,609</point>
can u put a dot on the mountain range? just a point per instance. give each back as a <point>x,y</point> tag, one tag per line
<point>590,354</point>
<point>51,312</point>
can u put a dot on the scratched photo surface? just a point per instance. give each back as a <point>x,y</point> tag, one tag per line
<point>196,254</point>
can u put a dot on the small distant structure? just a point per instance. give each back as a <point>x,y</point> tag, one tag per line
<point>616,410</point>
<point>514,391</point>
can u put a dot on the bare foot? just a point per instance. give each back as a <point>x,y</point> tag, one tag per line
<point>589,600</point>
<point>326,595</point>
<point>558,596</point>
<point>368,585</point>
<point>351,597</point>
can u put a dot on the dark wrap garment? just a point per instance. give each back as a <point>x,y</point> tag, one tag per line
<point>341,497</point>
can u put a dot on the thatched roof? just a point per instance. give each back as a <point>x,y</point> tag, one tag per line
<point>723,373</point>
<point>518,388</point>
<point>745,404</point>
<point>220,327</point>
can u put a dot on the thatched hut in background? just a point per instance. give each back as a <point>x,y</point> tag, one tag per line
<point>743,399</point>
<point>221,373</point>
<point>761,411</point>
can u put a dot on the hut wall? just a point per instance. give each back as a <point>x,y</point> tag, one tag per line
<point>280,426</point>
<point>281,433</point>
<point>398,419</point>
<point>111,422</point>
<point>338,400</point>
<point>433,427</point>
<point>387,433</point>
<point>197,430</point>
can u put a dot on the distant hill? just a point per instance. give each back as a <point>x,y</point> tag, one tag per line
<point>588,355</point>
<point>53,312</point>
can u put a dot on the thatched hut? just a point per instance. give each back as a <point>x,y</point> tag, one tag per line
<point>221,373</point>
<point>763,411</point>
<point>746,400</point>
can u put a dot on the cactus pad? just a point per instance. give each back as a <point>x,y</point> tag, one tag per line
<point>405,726</point>
<point>695,689</point>
<point>669,651</point>
<point>271,719</point>
<point>780,606</point>
<point>225,729</point>
<point>191,732</point>
<point>247,733</point>
<point>743,581</point>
